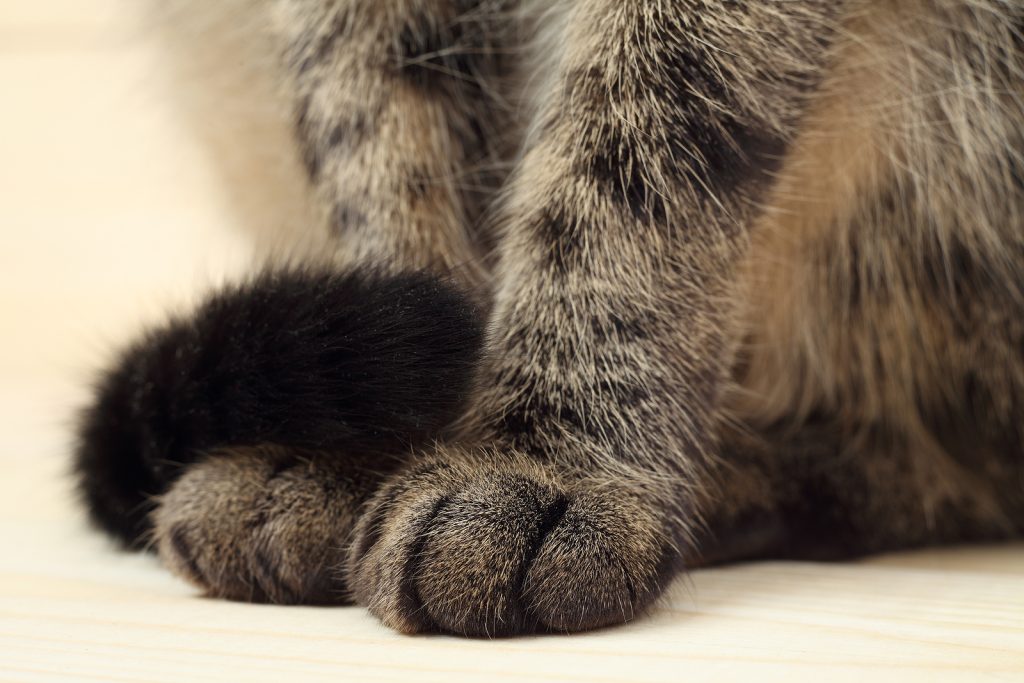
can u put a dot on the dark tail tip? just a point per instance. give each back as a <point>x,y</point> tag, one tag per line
<point>358,362</point>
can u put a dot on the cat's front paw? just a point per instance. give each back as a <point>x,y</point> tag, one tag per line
<point>483,544</point>
<point>262,524</point>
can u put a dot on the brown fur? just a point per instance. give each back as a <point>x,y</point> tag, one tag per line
<point>263,524</point>
<point>492,544</point>
<point>757,290</point>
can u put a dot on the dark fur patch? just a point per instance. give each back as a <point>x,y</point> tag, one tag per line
<point>522,422</point>
<point>319,139</point>
<point>694,131</point>
<point>622,329</point>
<point>431,51</point>
<point>304,128</point>
<point>714,156</point>
<point>310,359</point>
<point>561,237</point>
<point>543,410</point>
<point>349,132</point>
<point>348,219</point>
<point>719,151</point>
<point>613,158</point>
<point>418,183</point>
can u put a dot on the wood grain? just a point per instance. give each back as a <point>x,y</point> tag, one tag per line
<point>111,214</point>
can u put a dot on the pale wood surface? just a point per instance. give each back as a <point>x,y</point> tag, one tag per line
<point>109,214</point>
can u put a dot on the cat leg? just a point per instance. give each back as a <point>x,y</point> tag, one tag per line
<point>657,126</point>
<point>373,129</point>
<point>395,114</point>
<point>402,117</point>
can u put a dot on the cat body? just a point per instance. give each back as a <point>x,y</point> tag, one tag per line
<point>753,277</point>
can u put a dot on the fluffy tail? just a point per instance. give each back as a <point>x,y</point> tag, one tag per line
<point>357,362</point>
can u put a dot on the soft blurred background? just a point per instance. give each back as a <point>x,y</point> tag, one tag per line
<point>112,213</point>
<point>109,212</point>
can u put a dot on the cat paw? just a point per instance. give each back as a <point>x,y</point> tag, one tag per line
<point>505,548</point>
<point>262,525</point>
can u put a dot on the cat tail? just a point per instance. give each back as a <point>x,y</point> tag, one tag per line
<point>357,362</point>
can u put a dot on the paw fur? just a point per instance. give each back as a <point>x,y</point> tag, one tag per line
<point>499,550</point>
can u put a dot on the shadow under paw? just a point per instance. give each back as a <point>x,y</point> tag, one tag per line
<point>497,550</point>
<point>262,525</point>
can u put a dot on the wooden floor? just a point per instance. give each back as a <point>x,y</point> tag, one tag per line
<point>109,214</point>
